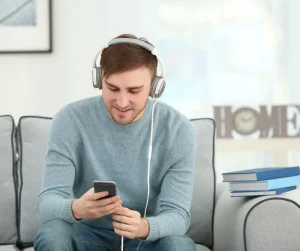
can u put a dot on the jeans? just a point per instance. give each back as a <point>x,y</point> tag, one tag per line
<point>60,235</point>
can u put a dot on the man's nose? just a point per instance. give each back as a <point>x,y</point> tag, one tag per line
<point>122,100</point>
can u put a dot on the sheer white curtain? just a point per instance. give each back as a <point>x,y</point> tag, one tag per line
<point>229,52</point>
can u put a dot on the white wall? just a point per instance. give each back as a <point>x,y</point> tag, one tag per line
<point>294,51</point>
<point>39,84</point>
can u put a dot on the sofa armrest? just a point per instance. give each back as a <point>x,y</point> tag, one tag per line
<point>256,223</point>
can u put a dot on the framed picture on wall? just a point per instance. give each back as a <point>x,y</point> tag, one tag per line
<point>25,26</point>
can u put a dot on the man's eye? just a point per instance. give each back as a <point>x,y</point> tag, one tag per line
<point>113,90</point>
<point>134,92</point>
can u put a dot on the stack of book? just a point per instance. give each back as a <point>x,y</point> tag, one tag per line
<point>262,181</point>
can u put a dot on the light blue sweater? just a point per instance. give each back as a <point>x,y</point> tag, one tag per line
<point>85,144</point>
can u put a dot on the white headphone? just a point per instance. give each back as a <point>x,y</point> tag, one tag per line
<point>157,88</point>
<point>158,84</point>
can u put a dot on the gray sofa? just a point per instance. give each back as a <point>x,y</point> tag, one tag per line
<point>218,223</point>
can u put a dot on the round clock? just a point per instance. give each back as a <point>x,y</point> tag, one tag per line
<point>245,121</point>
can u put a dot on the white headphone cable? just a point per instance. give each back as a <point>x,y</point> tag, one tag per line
<point>122,243</point>
<point>149,161</point>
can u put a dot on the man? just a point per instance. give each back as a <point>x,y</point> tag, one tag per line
<point>107,138</point>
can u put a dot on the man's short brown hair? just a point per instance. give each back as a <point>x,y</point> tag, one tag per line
<point>124,57</point>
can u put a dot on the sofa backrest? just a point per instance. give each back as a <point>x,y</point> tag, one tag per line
<point>203,204</point>
<point>32,136</point>
<point>8,224</point>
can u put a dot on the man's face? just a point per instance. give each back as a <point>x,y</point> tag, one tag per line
<point>125,94</point>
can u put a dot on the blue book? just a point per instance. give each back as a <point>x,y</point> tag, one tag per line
<point>262,193</point>
<point>261,174</point>
<point>264,185</point>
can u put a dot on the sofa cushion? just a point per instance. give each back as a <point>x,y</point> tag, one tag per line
<point>8,224</point>
<point>32,142</point>
<point>202,208</point>
<point>202,248</point>
<point>8,248</point>
<point>33,134</point>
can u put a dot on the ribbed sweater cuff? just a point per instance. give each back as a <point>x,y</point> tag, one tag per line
<point>154,229</point>
<point>67,214</point>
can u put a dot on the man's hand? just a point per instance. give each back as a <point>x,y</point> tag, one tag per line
<point>128,223</point>
<point>89,205</point>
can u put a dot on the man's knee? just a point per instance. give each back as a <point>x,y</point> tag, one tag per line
<point>55,235</point>
<point>175,243</point>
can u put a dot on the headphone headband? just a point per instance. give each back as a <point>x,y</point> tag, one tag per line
<point>139,42</point>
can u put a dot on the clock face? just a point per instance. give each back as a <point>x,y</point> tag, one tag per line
<point>245,121</point>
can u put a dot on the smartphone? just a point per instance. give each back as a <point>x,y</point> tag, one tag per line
<point>101,186</point>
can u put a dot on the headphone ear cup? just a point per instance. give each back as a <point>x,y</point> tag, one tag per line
<point>96,74</point>
<point>158,86</point>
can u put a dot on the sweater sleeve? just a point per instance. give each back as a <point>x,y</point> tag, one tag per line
<point>56,194</point>
<point>176,192</point>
